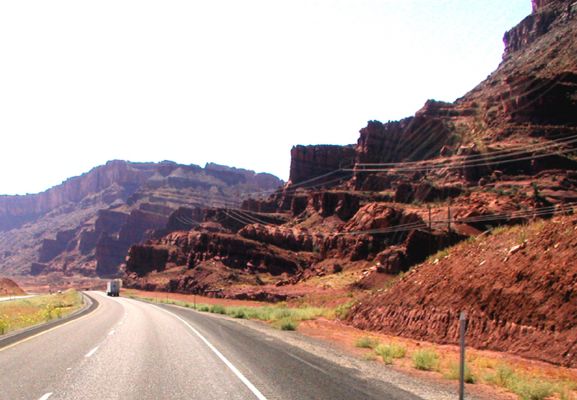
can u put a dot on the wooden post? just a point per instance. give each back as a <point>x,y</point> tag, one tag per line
<point>463,330</point>
<point>449,217</point>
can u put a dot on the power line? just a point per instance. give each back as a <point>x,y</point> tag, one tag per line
<point>248,217</point>
<point>463,165</point>
<point>518,150</point>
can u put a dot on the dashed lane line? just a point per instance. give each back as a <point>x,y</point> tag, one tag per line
<point>91,352</point>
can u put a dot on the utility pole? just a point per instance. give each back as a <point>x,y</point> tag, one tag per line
<point>449,217</point>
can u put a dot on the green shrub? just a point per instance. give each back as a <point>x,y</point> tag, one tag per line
<point>203,308</point>
<point>3,326</point>
<point>47,312</point>
<point>389,352</point>
<point>454,372</point>
<point>282,313</point>
<point>426,360</point>
<point>217,309</point>
<point>287,325</point>
<point>531,389</point>
<point>342,311</point>
<point>502,376</point>
<point>367,343</point>
<point>238,313</point>
<point>526,388</point>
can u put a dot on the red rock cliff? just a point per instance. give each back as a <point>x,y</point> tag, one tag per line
<point>545,14</point>
<point>311,161</point>
<point>15,208</point>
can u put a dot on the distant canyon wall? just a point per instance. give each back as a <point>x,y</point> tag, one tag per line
<point>14,209</point>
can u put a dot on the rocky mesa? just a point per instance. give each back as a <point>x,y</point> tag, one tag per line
<point>86,225</point>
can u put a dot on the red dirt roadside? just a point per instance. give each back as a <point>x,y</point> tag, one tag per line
<point>344,337</point>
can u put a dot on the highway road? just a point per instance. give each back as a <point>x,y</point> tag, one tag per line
<point>127,349</point>
<point>11,298</point>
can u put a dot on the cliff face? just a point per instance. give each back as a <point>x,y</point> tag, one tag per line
<point>312,161</point>
<point>545,14</point>
<point>410,139</point>
<point>541,5</point>
<point>14,209</point>
<point>86,224</point>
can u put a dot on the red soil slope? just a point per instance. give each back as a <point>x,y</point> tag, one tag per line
<point>9,287</point>
<point>519,287</point>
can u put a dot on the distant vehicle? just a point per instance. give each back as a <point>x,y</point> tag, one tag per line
<point>113,287</point>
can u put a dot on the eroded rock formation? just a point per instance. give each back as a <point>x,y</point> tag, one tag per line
<point>87,224</point>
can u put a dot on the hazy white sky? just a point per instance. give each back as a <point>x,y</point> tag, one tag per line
<point>229,81</point>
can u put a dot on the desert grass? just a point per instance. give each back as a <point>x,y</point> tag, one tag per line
<point>279,316</point>
<point>426,360</point>
<point>366,342</point>
<point>531,385</point>
<point>390,352</point>
<point>453,373</point>
<point>23,313</point>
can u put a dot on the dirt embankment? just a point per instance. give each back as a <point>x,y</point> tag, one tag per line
<point>9,288</point>
<point>519,287</point>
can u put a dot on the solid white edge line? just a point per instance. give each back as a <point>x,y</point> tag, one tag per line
<point>91,352</point>
<point>235,370</point>
<point>46,396</point>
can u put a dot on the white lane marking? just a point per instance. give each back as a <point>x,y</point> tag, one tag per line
<point>91,352</point>
<point>111,333</point>
<point>46,396</point>
<point>235,370</point>
<point>307,363</point>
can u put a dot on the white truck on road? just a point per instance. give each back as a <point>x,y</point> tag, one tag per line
<point>113,287</point>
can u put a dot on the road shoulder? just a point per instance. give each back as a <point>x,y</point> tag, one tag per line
<point>10,339</point>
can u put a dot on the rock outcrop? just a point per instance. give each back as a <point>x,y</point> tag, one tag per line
<point>414,138</point>
<point>309,162</point>
<point>74,190</point>
<point>87,224</point>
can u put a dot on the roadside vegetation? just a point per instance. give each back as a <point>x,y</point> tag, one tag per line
<point>426,360</point>
<point>23,313</point>
<point>279,316</point>
<point>527,384</point>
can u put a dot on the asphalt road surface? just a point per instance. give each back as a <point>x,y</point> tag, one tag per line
<point>11,298</point>
<point>128,349</point>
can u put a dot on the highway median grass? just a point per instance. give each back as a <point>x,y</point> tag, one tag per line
<point>24,313</point>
